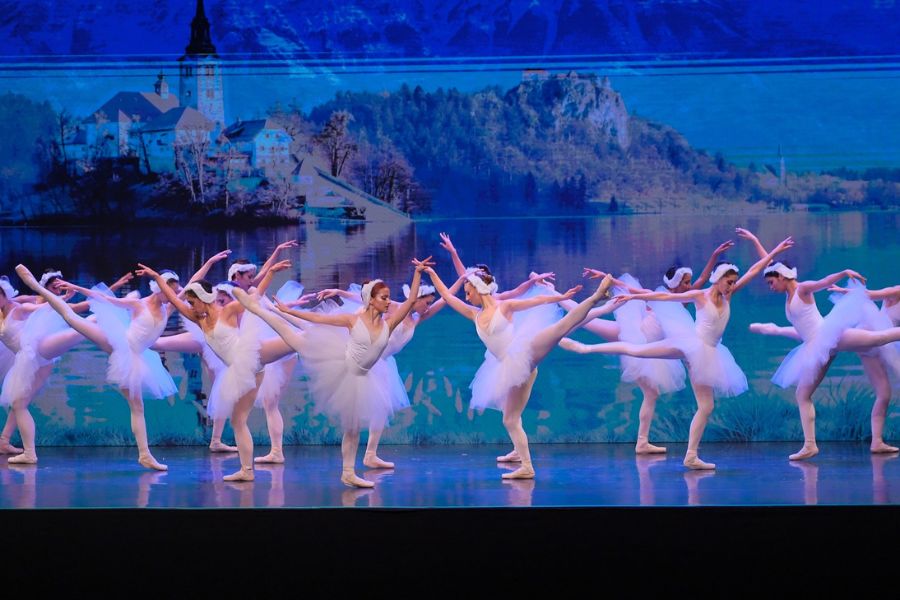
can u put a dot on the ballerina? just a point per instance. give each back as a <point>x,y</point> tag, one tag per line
<point>821,338</point>
<point>711,367</point>
<point>348,380</point>
<point>38,336</point>
<point>423,309</point>
<point>505,379</point>
<point>245,275</point>
<point>235,339</point>
<point>133,367</point>
<point>637,323</point>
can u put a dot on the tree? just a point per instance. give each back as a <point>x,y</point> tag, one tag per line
<point>336,142</point>
<point>191,149</point>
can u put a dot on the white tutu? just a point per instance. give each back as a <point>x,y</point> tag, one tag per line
<point>132,365</point>
<point>19,380</point>
<point>638,325</point>
<point>713,366</point>
<point>507,361</point>
<point>341,388</point>
<point>277,373</point>
<point>710,363</point>
<point>873,319</point>
<point>238,349</point>
<point>803,363</point>
<point>400,337</point>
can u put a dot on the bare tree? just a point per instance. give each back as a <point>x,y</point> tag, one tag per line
<point>336,142</point>
<point>191,159</point>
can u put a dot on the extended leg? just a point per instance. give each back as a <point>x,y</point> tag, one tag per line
<point>290,334</point>
<point>349,446</point>
<point>512,420</point>
<point>808,414</point>
<point>9,428</point>
<point>705,404</point>
<point>242,435</point>
<point>26,422</point>
<point>139,429</point>
<point>645,418</point>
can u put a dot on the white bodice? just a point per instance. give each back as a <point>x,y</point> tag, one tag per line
<point>711,322</point>
<point>805,318</point>
<point>362,350</point>
<point>498,335</point>
<point>144,330</point>
<point>11,331</point>
<point>223,340</point>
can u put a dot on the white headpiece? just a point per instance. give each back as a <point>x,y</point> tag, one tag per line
<point>166,276</point>
<point>719,271</point>
<point>48,276</point>
<point>478,283</point>
<point>240,268</point>
<point>366,291</point>
<point>781,269</point>
<point>680,272</point>
<point>226,287</point>
<point>424,290</point>
<point>8,290</point>
<point>197,289</point>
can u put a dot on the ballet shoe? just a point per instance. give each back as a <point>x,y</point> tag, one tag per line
<point>7,448</point>
<point>26,458</point>
<point>807,451</point>
<point>648,448</point>
<point>26,276</point>
<point>372,461</point>
<point>351,479</point>
<point>512,457</point>
<point>882,448</point>
<point>243,474</point>
<point>763,328</point>
<point>526,471</point>
<point>692,461</point>
<point>221,447</point>
<point>149,462</point>
<point>275,457</point>
<point>572,346</point>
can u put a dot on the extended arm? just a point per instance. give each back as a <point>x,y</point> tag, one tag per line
<point>204,270</point>
<point>403,309</point>
<point>690,296</point>
<point>340,320</point>
<point>598,274</point>
<point>448,297</point>
<point>272,260</point>
<point>710,265</point>
<point>757,268</point>
<point>183,307</point>
<point>270,272</point>
<point>447,245</point>
<point>525,286</point>
<point>127,303</point>
<point>807,288</point>
<point>438,305</point>
<point>751,237</point>
<point>511,306</point>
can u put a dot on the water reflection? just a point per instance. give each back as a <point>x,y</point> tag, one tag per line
<point>880,488</point>
<point>692,480</point>
<point>644,463</point>
<point>810,480</point>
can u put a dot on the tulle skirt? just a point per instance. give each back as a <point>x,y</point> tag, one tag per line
<point>399,397</point>
<point>139,371</point>
<point>20,379</point>
<point>238,377</point>
<point>276,374</point>
<point>637,325</point>
<point>713,366</point>
<point>803,363</point>
<point>873,319</point>
<point>341,390</point>
<point>497,376</point>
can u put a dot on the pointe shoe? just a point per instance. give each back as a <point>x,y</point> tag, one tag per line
<point>526,471</point>
<point>351,479</point>
<point>275,457</point>
<point>26,458</point>
<point>648,448</point>
<point>603,288</point>
<point>692,461</point>
<point>221,447</point>
<point>807,451</point>
<point>244,474</point>
<point>763,328</point>
<point>512,457</point>
<point>882,448</point>
<point>7,448</point>
<point>372,461</point>
<point>149,462</point>
<point>572,346</point>
<point>26,276</point>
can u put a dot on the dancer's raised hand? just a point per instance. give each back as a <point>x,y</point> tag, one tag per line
<point>286,245</point>
<point>593,273</point>
<point>145,271</point>
<point>854,275</point>
<point>219,256</point>
<point>745,234</point>
<point>570,293</point>
<point>423,265</point>
<point>723,247</point>
<point>446,244</point>
<point>122,281</point>
<point>785,244</point>
<point>280,266</point>
<point>542,278</point>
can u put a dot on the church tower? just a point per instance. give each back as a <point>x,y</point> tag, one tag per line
<point>200,76</point>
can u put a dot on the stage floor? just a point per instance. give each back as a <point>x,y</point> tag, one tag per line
<point>568,475</point>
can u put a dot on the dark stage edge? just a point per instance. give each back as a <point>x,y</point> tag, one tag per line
<point>728,538</point>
